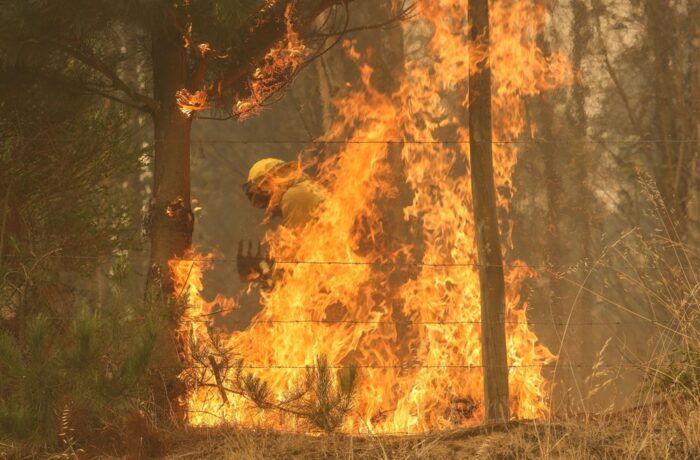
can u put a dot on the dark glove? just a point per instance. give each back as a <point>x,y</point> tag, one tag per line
<point>251,267</point>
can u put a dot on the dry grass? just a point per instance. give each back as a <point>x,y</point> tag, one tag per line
<point>665,430</point>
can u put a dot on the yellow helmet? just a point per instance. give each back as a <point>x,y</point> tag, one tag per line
<point>262,167</point>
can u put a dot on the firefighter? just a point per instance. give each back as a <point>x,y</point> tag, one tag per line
<point>285,192</point>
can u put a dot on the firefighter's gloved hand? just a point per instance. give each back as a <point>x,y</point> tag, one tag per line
<point>253,267</point>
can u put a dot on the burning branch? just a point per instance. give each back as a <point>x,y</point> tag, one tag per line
<point>319,398</point>
<point>191,102</point>
<point>217,376</point>
<point>279,65</point>
<point>280,48</point>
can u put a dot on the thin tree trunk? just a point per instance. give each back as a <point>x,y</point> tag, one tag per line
<point>171,216</point>
<point>581,196</point>
<point>385,50</point>
<point>493,308</point>
<point>694,131</point>
<point>324,94</point>
<point>3,221</point>
<point>171,219</point>
<point>668,110</point>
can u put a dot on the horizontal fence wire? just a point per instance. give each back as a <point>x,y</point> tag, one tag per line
<point>427,366</point>
<point>451,142</point>
<point>609,324</point>
<point>315,431</point>
<point>197,318</point>
<point>424,323</point>
<point>415,323</point>
<point>426,142</point>
<point>591,266</point>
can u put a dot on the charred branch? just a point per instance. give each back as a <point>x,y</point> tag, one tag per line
<point>136,99</point>
<point>404,13</point>
<point>272,28</point>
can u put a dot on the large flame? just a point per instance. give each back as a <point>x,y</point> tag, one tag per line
<point>402,301</point>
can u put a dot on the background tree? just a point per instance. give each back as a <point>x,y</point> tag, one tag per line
<point>66,346</point>
<point>236,54</point>
<point>604,169</point>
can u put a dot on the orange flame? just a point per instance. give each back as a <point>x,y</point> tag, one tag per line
<point>188,102</point>
<point>406,312</point>
<point>279,65</point>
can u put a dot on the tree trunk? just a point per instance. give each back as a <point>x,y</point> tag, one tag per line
<point>580,198</point>
<point>171,219</point>
<point>669,109</point>
<point>171,216</point>
<point>493,308</point>
<point>694,134</point>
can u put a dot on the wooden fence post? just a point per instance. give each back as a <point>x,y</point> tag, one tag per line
<point>493,334</point>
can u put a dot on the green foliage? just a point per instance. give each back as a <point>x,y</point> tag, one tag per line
<point>220,23</point>
<point>64,164</point>
<point>328,400</point>
<point>67,165</point>
<point>95,362</point>
<point>320,399</point>
<point>45,34</point>
<point>681,374</point>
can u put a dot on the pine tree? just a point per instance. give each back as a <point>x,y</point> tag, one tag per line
<point>65,158</point>
<point>93,365</point>
<point>225,53</point>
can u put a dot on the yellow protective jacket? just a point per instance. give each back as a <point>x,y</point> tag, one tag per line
<point>299,202</point>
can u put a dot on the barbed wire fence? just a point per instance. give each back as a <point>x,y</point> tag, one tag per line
<point>671,328</point>
<point>549,268</point>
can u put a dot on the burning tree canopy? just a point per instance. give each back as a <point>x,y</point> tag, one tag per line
<point>402,306</point>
